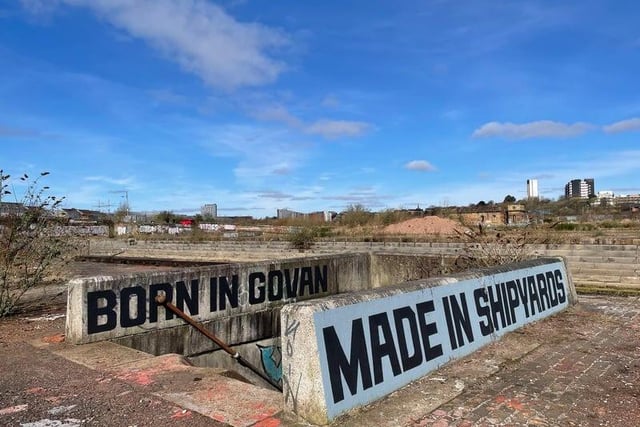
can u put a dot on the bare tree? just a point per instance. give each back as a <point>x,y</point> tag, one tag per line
<point>33,247</point>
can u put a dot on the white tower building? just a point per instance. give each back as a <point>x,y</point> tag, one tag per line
<point>532,189</point>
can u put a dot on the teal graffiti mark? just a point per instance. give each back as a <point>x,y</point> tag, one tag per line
<point>271,357</point>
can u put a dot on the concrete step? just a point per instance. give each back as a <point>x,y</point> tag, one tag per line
<point>620,267</point>
<point>631,280</point>
<point>591,253</point>
<point>173,378</point>
<point>597,284</point>
<point>607,260</point>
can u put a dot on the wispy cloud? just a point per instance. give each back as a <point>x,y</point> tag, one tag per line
<point>327,128</point>
<point>261,151</point>
<point>420,165</point>
<point>198,35</point>
<point>330,101</point>
<point>14,132</point>
<point>332,129</point>
<point>113,181</point>
<point>538,129</point>
<point>278,113</point>
<point>623,126</point>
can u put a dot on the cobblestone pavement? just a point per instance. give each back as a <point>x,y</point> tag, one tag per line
<point>585,372</point>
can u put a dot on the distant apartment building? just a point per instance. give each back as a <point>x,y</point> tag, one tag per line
<point>604,198</point>
<point>627,200</point>
<point>287,213</point>
<point>582,188</point>
<point>319,216</point>
<point>532,189</point>
<point>209,210</point>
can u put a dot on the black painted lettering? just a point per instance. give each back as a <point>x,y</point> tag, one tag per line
<point>533,295</point>
<point>321,284</point>
<point>480,297</point>
<point>497,307</point>
<point>306,281</point>
<point>275,285</point>
<point>542,291</point>
<point>562,294</point>
<point>291,282</point>
<point>140,295</point>
<point>447,316</point>
<point>183,295</point>
<point>512,297</point>
<point>221,292</point>
<point>551,288</point>
<point>101,303</point>
<point>505,303</point>
<point>461,319</point>
<point>155,290</point>
<point>427,330</point>
<point>522,292</point>
<point>341,367</point>
<point>382,348</point>
<point>401,317</point>
<point>258,277</point>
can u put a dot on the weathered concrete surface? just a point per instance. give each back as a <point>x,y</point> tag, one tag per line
<point>265,355</point>
<point>108,307</point>
<point>218,394</point>
<point>578,368</point>
<point>590,261</point>
<point>330,364</point>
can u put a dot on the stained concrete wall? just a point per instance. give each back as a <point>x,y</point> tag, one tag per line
<point>122,308</point>
<point>244,324</point>
<point>265,355</point>
<point>391,268</point>
<point>348,350</point>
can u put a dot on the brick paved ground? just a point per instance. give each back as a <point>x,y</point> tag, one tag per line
<point>585,372</point>
<point>579,368</point>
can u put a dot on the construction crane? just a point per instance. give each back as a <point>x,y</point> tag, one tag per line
<point>126,198</point>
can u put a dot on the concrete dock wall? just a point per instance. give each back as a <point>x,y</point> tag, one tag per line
<point>242,299</point>
<point>348,350</point>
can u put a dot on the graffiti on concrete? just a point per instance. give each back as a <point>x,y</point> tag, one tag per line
<point>291,386</point>
<point>271,358</point>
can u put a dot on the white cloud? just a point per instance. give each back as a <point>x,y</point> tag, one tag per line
<point>623,126</point>
<point>198,35</point>
<point>114,181</point>
<point>40,7</point>
<point>332,129</point>
<point>538,129</point>
<point>261,152</point>
<point>330,101</point>
<point>278,113</point>
<point>420,165</point>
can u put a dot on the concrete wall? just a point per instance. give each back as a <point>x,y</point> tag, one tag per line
<point>348,350</point>
<point>392,268</point>
<point>239,302</point>
<point>265,355</point>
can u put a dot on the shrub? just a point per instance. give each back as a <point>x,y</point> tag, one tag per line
<point>32,247</point>
<point>302,238</point>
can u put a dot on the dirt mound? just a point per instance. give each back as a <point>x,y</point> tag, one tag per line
<point>426,225</point>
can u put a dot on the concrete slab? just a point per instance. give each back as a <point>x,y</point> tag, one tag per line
<point>103,355</point>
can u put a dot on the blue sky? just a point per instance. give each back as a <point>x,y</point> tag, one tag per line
<point>317,105</point>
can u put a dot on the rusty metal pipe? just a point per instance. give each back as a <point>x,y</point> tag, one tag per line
<point>162,300</point>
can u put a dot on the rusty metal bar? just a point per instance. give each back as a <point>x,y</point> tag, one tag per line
<point>162,300</point>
